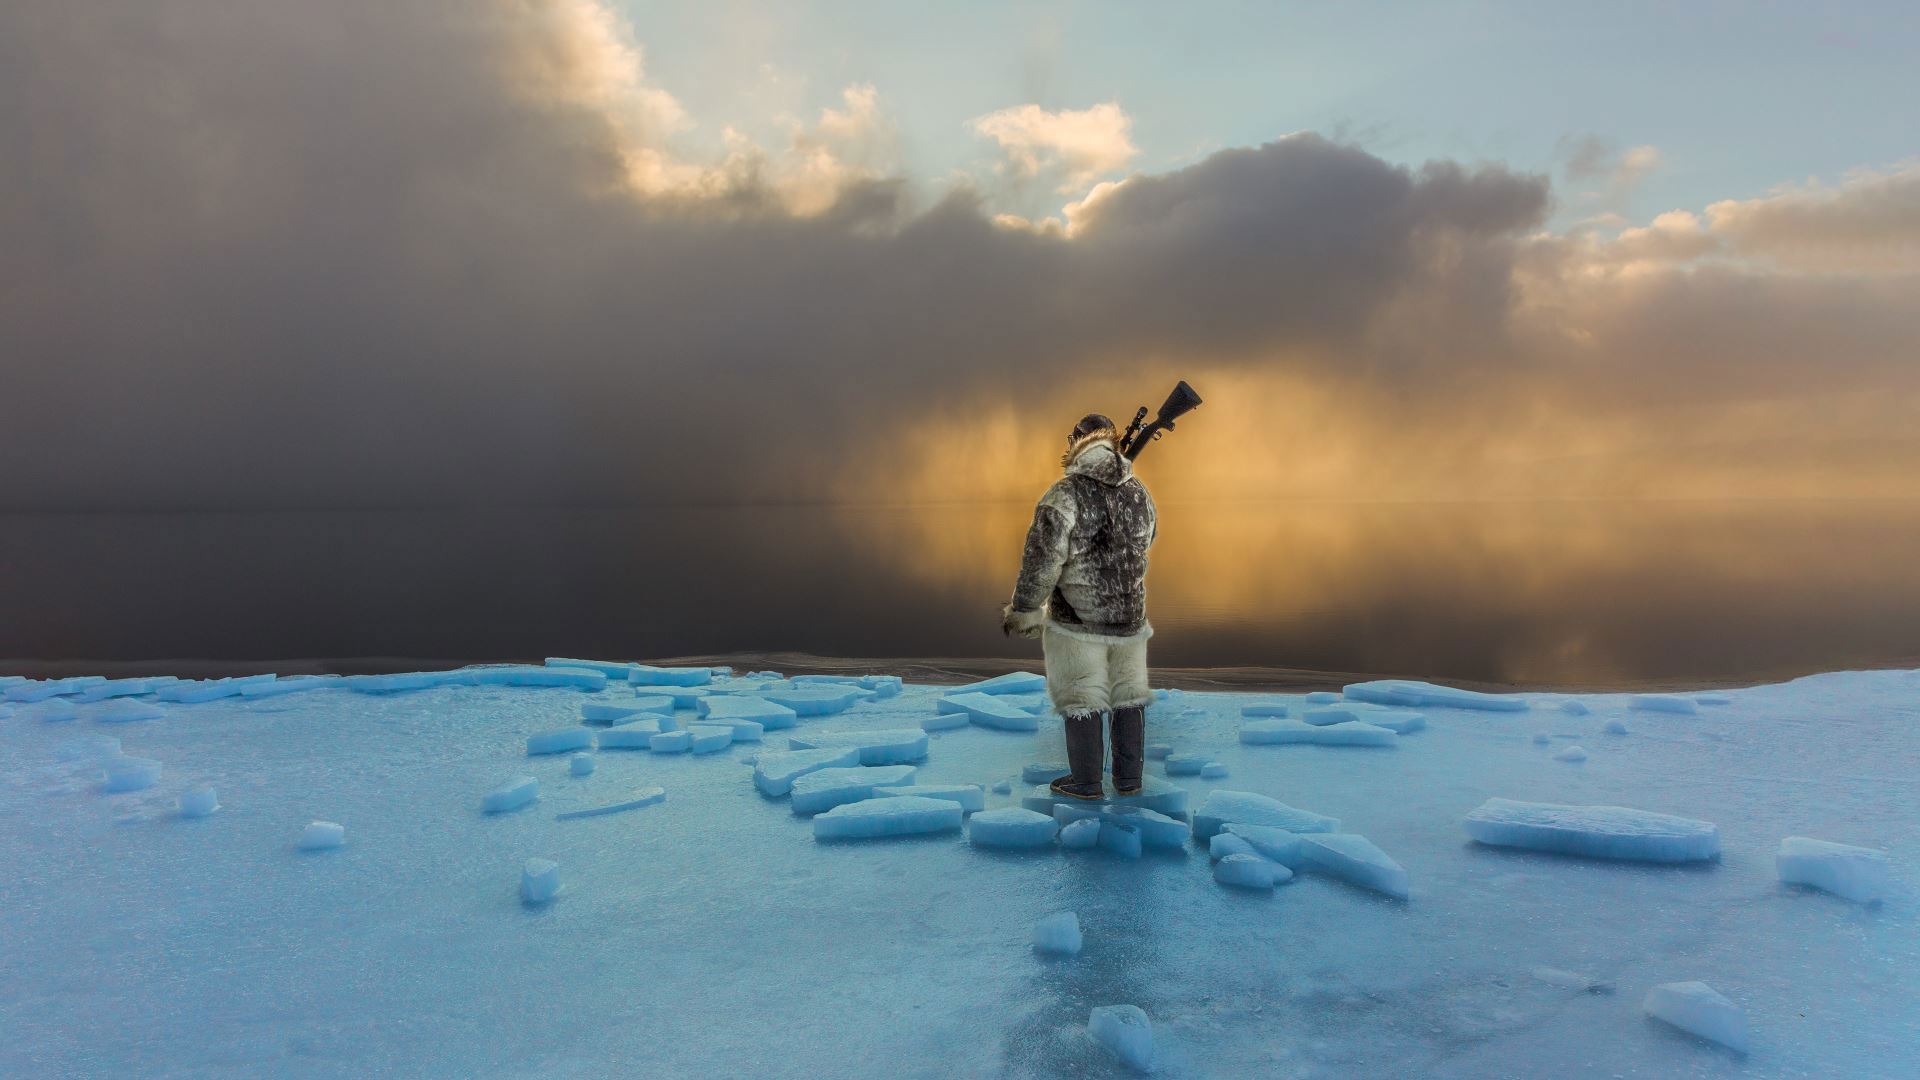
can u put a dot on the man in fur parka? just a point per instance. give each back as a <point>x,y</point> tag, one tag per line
<point>1083,592</point>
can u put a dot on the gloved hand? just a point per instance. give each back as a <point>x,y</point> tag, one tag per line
<point>1026,624</point>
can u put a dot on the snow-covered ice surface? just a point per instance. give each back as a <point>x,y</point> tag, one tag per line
<point>408,950</point>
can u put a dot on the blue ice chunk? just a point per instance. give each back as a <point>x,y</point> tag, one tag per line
<point>198,802</point>
<point>581,764</point>
<point>1265,708</point>
<point>648,675</point>
<point>1397,720</point>
<point>292,684</point>
<point>824,789</point>
<point>1572,754</point>
<point>683,697</point>
<point>1125,1031</point>
<point>898,815</point>
<point>116,688</point>
<point>1011,827</point>
<point>1574,707</point>
<point>637,735</point>
<point>1250,808</point>
<point>131,774</point>
<point>400,681</point>
<point>1410,692</point>
<point>727,709</point>
<point>887,746</point>
<point>195,692</point>
<point>1322,697</point>
<point>1156,830</point>
<point>1292,732</point>
<point>322,835</point>
<point>815,700</point>
<point>775,770</point>
<point>611,670</point>
<point>1159,751</point>
<point>643,797</point>
<point>884,686</point>
<point>1224,844</point>
<point>1712,699</point>
<point>1614,727</point>
<point>1270,843</point>
<point>614,712</point>
<point>1121,839</point>
<point>988,711</point>
<point>1860,874</point>
<point>826,680</point>
<point>1249,872</point>
<point>1695,1008</point>
<point>127,711</point>
<point>1057,934</point>
<point>945,721</point>
<point>1080,835</point>
<point>1213,770</point>
<point>970,797</point>
<point>1186,764</point>
<point>671,742</point>
<point>30,691</point>
<point>539,881</point>
<point>511,795</point>
<point>1013,682</point>
<point>1663,703</point>
<point>530,675</point>
<point>1595,832</point>
<point>1042,772</point>
<point>1353,858</point>
<point>560,742</point>
<point>708,738</point>
<point>1003,787</point>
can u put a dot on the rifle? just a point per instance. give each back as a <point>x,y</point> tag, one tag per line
<point>1178,404</point>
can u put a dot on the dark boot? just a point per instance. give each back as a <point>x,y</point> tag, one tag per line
<point>1129,748</point>
<point>1085,755</point>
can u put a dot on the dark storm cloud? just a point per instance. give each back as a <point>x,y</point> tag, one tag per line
<point>294,254</point>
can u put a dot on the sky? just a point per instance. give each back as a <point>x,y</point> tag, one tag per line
<point>492,252</point>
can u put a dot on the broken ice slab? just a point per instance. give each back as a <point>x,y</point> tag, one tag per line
<point>511,795</point>
<point>1595,832</point>
<point>55,711</point>
<point>127,711</point>
<point>30,690</point>
<point>1860,874</point>
<point>1663,703</point>
<point>1695,1008</point>
<point>643,797</point>
<point>887,746</point>
<point>530,675</point>
<point>612,670</point>
<point>1249,872</point>
<point>1265,709</point>
<point>637,735</point>
<point>1353,858</point>
<point>559,742</point>
<point>1251,808</point>
<point>1080,835</point>
<point>1395,720</point>
<point>824,789</point>
<point>116,688</point>
<point>1186,764</point>
<point>1712,699</point>
<point>580,764</point>
<point>125,774</point>
<point>1574,707</point>
<point>539,881</point>
<point>1322,697</point>
<point>1011,827</point>
<point>648,675</point>
<point>1014,682</point>
<point>671,742</point>
<point>194,692</point>
<point>1213,770</point>
<point>683,697</point>
<point>728,709</point>
<point>1159,751</point>
<point>321,835</point>
<point>1573,754</point>
<point>1157,830</point>
<point>970,797</point>
<point>198,802</point>
<point>815,700</point>
<point>1121,839</point>
<point>775,771</point>
<point>1289,732</point>
<point>1042,772</point>
<point>988,711</point>
<point>1224,844</point>
<point>1124,1030</point>
<point>1424,694</point>
<point>945,721</point>
<point>400,681</point>
<point>616,712</point>
<point>1614,727</point>
<point>1057,934</point>
<point>898,815</point>
<point>708,738</point>
<point>1155,794</point>
<point>1266,841</point>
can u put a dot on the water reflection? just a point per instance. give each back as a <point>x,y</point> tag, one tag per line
<point>1533,592</point>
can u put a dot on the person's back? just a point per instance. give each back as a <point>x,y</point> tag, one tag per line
<point>1082,590</point>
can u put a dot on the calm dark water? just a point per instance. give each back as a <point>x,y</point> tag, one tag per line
<point>1566,592</point>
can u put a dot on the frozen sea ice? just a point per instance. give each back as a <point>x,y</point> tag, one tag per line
<point>1125,1031</point>
<point>1250,808</point>
<point>126,774</point>
<point>1595,832</point>
<point>824,789</point>
<point>322,835</point>
<point>559,742</point>
<point>511,795</point>
<point>1860,874</point>
<point>539,881</point>
<point>1696,1009</point>
<point>891,746</point>
<point>198,803</point>
<point>900,815</point>
<point>1011,827</point>
<point>1057,934</point>
<point>1574,754</point>
<point>1352,857</point>
<point>1249,872</point>
<point>1664,703</point>
<point>1080,835</point>
<point>775,770</point>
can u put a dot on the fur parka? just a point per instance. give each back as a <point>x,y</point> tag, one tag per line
<point>1085,560</point>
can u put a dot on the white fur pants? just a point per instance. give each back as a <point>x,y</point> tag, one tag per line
<point>1091,676</point>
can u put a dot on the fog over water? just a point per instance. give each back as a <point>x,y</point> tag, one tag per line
<point>1576,592</point>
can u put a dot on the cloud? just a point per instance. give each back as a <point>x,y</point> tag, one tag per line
<point>1081,145</point>
<point>1606,173</point>
<point>289,254</point>
<point>1869,219</point>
